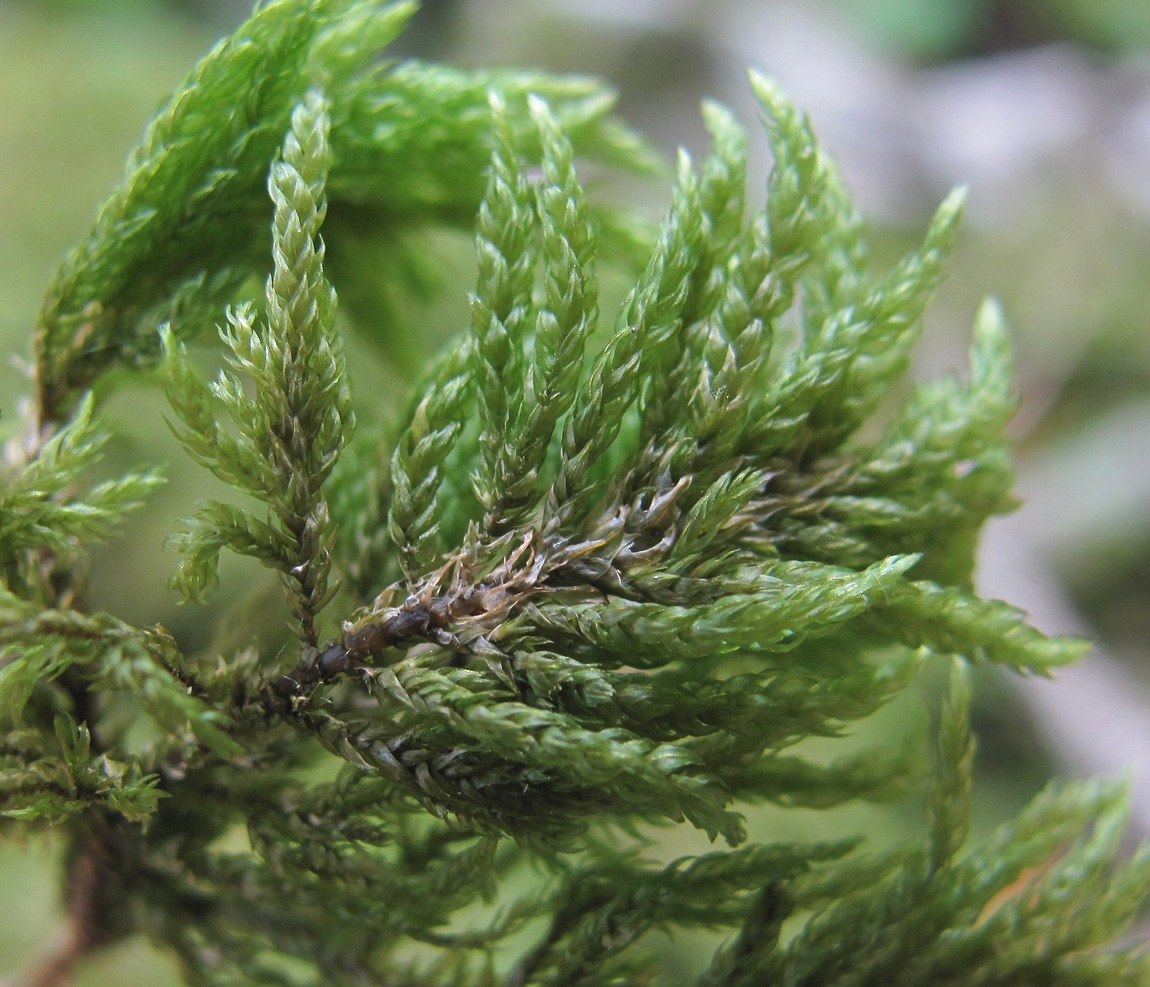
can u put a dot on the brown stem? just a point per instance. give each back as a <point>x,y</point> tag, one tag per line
<point>57,969</point>
<point>83,936</point>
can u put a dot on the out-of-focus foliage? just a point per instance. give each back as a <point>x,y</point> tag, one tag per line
<point>961,27</point>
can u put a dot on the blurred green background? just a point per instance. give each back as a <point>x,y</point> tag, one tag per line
<point>1041,106</point>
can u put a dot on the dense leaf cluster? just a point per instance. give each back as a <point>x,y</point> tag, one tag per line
<point>608,572</point>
